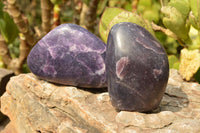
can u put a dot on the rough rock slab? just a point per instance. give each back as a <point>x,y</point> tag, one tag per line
<point>8,128</point>
<point>36,106</point>
<point>4,78</point>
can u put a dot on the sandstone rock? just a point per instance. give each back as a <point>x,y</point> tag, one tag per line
<point>4,78</point>
<point>35,106</point>
<point>10,128</point>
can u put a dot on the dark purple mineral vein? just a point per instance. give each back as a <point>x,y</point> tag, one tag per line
<point>137,68</point>
<point>69,55</point>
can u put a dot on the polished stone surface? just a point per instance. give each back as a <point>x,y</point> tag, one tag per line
<point>69,55</point>
<point>137,68</point>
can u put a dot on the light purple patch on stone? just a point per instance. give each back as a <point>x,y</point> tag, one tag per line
<point>120,65</point>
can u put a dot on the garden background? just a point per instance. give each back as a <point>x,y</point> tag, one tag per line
<point>175,23</point>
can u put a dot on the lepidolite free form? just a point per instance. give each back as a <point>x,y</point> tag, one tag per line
<point>137,68</point>
<point>69,55</point>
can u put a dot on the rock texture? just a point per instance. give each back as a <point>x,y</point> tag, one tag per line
<point>70,55</point>
<point>4,78</point>
<point>36,106</point>
<point>7,127</point>
<point>137,68</point>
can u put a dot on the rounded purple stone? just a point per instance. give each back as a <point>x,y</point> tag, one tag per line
<point>69,55</point>
<point>137,68</point>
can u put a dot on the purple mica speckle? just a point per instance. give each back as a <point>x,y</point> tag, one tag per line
<point>69,55</point>
<point>137,68</point>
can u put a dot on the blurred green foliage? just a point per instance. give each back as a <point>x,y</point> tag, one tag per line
<point>114,15</point>
<point>173,62</point>
<point>8,29</point>
<point>149,9</point>
<point>14,48</point>
<point>196,76</point>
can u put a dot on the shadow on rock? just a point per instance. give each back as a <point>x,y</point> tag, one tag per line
<point>174,99</point>
<point>95,90</point>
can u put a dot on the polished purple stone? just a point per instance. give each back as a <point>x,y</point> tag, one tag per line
<point>69,55</point>
<point>137,68</point>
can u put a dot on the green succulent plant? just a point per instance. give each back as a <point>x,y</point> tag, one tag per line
<point>8,29</point>
<point>112,16</point>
